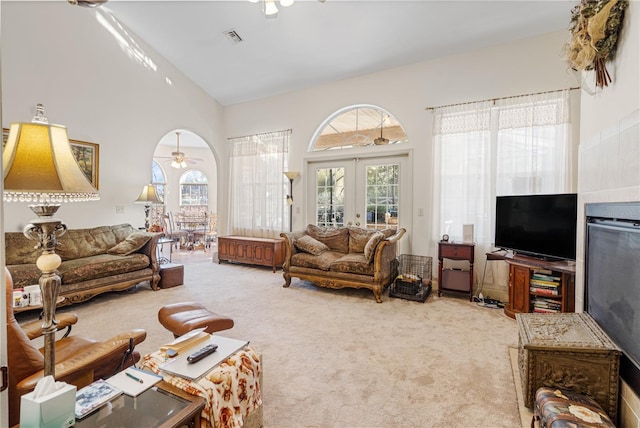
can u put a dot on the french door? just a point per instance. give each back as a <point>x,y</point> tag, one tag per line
<point>363,192</point>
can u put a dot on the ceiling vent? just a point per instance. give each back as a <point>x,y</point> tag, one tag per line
<point>233,36</point>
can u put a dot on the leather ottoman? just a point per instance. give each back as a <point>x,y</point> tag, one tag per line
<point>171,275</point>
<point>180,318</point>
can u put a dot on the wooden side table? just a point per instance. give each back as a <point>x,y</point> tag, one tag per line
<point>455,279</point>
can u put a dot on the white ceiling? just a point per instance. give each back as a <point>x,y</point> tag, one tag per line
<point>313,42</point>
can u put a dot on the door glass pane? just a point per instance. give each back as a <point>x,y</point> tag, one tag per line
<point>330,197</point>
<point>382,196</point>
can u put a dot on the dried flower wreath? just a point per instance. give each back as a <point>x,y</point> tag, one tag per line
<point>595,25</point>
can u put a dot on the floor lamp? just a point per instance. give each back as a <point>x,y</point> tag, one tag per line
<point>39,168</point>
<point>149,196</point>
<point>291,175</point>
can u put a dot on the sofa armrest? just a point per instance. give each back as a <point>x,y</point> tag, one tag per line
<point>150,249</point>
<point>386,252</point>
<point>289,240</point>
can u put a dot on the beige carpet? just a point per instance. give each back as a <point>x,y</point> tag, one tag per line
<point>336,358</point>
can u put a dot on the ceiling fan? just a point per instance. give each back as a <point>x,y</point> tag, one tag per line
<point>179,159</point>
<point>381,141</point>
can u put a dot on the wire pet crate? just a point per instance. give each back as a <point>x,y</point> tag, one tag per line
<point>413,280</point>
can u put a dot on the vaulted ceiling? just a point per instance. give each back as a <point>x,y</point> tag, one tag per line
<point>313,42</point>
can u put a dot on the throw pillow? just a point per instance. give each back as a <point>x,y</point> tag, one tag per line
<point>358,238</point>
<point>310,245</point>
<point>133,243</point>
<point>370,248</point>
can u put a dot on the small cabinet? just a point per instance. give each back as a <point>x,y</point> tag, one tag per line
<point>256,251</point>
<point>458,280</point>
<point>540,286</point>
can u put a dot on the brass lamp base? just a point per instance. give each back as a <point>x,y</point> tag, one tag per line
<point>46,230</point>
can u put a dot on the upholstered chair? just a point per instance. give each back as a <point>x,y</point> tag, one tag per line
<point>79,361</point>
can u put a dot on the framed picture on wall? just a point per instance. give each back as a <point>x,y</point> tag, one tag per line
<point>87,155</point>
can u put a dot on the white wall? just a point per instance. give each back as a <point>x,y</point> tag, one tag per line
<point>516,68</point>
<point>609,156</point>
<point>92,83</point>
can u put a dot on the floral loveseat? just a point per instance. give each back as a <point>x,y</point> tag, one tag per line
<point>94,261</point>
<point>342,257</point>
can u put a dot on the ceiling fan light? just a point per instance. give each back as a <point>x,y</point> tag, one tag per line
<point>286,3</point>
<point>183,164</point>
<point>270,7</point>
<point>175,164</point>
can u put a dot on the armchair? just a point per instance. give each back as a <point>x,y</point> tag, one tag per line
<point>79,360</point>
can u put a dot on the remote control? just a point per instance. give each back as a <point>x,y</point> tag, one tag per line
<point>198,355</point>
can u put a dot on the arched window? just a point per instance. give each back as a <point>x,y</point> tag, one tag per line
<point>362,125</point>
<point>194,193</point>
<point>159,180</point>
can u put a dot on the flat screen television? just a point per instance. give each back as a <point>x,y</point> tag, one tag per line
<point>538,225</point>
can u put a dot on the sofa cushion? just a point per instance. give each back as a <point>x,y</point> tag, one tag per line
<point>78,243</point>
<point>358,238</point>
<point>322,261</point>
<point>100,266</point>
<point>310,245</point>
<point>370,248</point>
<point>133,243</point>
<point>335,238</point>
<point>352,263</point>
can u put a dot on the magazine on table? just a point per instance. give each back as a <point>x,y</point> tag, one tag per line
<point>94,396</point>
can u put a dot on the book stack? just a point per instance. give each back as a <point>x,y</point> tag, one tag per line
<point>545,283</point>
<point>543,305</point>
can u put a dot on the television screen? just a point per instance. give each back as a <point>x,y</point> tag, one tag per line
<point>538,225</point>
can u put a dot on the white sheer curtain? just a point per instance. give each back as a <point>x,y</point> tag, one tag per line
<point>518,145</point>
<point>258,190</point>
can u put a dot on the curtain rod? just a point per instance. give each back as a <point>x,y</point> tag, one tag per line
<point>500,98</point>
<point>264,133</point>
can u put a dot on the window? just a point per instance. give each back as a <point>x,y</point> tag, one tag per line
<point>194,192</point>
<point>359,126</point>
<point>518,145</point>
<point>258,202</point>
<point>159,181</point>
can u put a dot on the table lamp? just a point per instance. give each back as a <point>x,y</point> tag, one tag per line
<point>149,196</point>
<point>39,168</point>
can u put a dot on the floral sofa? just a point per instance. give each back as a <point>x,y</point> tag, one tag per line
<point>94,261</point>
<point>342,257</point>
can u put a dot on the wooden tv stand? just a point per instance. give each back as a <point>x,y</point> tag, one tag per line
<point>522,299</point>
<point>255,251</point>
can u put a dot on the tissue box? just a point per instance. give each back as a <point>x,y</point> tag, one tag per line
<point>55,410</point>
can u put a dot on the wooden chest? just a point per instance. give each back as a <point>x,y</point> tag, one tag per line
<point>568,351</point>
<point>171,275</point>
<point>255,251</point>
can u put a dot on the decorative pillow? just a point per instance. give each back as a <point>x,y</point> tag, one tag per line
<point>370,248</point>
<point>133,243</point>
<point>310,245</point>
<point>358,238</point>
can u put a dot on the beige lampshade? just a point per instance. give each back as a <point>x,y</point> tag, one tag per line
<point>291,175</point>
<point>149,196</point>
<point>39,166</point>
